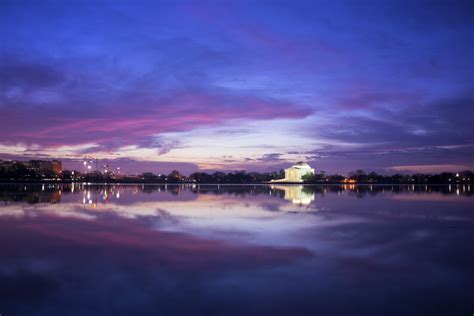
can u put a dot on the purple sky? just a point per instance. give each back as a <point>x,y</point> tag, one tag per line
<point>225,85</point>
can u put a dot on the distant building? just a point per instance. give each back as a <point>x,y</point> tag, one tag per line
<point>7,165</point>
<point>44,165</point>
<point>295,173</point>
<point>56,166</point>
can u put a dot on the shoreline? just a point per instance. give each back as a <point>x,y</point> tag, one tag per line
<point>224,184</point>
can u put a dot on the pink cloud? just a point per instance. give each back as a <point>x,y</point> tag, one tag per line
<point>132,121</point>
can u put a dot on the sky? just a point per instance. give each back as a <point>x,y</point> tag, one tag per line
<point>239,85</point>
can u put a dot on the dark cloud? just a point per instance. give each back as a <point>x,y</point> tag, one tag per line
<point>271,157</point>
<point>435,133</point>
<point>441,123</point>
<point>15,73</point>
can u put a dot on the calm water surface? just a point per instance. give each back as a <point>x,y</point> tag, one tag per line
<point>236,250</point>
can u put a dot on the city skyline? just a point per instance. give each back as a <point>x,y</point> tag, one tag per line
<point>151,86</point>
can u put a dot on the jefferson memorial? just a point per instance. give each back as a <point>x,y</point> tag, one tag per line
<point>296,172</point>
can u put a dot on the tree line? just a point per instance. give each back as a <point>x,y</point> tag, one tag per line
<point>360,176</point>
<point>21,174</point>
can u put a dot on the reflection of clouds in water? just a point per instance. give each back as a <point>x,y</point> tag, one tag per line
<point>72,262</point>
<point>223,216</point>
<point>233,250</point>
<point>63,210</point>
<point>424,197</point>
<point>400,245</point>
<point>119,236</point>
<point>254,214</point>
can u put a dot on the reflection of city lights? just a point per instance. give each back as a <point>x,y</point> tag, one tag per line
<point>89,167</point>
<point>349,181</point>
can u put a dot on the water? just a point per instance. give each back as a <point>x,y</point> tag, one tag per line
<point>236,250</point>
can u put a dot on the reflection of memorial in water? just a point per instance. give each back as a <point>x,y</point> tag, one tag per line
<point>297,194</point>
